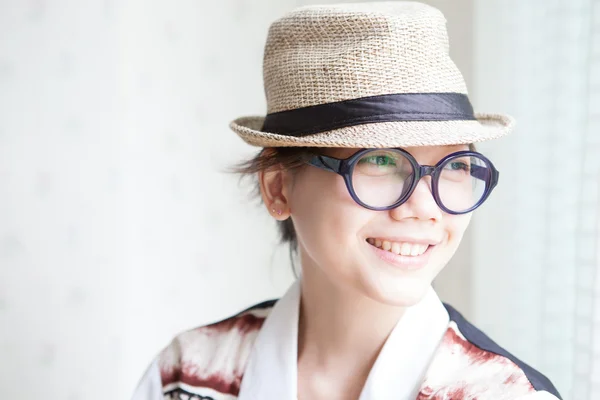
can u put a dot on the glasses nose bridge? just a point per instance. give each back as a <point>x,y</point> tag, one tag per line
<point>425,170</point>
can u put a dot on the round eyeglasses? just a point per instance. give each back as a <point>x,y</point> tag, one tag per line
<point>382,179</point>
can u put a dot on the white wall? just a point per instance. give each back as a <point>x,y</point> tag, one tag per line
<point>117,227</point>
<point>61,201</point>
<point>536,262</point>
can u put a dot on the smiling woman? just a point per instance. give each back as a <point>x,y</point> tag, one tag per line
<point>368,165</point>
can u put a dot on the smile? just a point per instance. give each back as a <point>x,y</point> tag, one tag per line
<point>404,253</point>
<point>400,248</point>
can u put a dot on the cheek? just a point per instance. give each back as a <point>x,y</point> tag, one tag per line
<point>325,216</point>
<point>456,225</point>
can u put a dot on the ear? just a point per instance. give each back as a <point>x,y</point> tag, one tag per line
<point>273,189</point>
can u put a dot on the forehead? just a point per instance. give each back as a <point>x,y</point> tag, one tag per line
<point>423,154</point>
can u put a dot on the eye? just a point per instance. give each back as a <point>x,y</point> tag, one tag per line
<point>381,160</point>
<point>458,166</point>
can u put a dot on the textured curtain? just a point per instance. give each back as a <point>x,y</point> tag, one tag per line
<point>536,271</point>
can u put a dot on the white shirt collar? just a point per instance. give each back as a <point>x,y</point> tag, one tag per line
<point>398,372</point>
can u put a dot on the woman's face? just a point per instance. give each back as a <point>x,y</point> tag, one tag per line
<point>389,256</point>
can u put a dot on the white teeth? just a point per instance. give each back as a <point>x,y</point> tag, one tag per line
<point>404,248</point>
<point>416,250</point>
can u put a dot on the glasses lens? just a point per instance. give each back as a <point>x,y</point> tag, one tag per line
<point>382,177</point>
<point>463,181</point>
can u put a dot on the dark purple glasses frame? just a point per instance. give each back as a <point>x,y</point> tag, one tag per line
<point>344,167</point>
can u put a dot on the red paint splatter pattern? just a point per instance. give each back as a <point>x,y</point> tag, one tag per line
<point>212,358</point>
<point>209,362</point>
<point>462,371</point>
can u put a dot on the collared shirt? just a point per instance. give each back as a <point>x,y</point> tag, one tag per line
<point>432,353</point>
<point>272,370</point>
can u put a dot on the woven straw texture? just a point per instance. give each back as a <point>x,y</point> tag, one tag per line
<point>322,54</point>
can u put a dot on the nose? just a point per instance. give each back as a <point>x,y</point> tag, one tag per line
<point>420,205</point>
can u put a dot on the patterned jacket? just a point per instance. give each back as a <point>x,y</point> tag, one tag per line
<point>252,356</point>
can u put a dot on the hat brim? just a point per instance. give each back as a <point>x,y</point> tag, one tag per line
<point>383,134</point>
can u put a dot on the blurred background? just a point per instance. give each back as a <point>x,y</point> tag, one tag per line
<point>119,228</point>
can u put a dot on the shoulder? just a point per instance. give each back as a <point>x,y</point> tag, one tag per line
<point>492,350</point>
<point>210,359</point>
<point>470,362</point>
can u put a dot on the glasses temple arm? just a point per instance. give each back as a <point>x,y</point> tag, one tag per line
<point>326,163</point>
<point>479,172</point>
<point>485,174</point>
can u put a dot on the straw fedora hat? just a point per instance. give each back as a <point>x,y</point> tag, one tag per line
<point>364,75</point>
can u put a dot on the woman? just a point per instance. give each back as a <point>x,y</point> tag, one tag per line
<point>369,167</point>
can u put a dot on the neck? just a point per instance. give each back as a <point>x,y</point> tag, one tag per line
<point>340,329</point>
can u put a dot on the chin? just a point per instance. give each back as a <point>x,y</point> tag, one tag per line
<point>406,293</point>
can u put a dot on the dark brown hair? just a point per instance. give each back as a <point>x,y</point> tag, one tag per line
<point>287,158</point>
